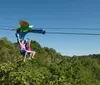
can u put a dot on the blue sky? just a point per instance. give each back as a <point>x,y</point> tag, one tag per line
<point>55,14</point>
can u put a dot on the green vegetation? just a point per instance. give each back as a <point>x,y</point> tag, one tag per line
<point>48,67</point>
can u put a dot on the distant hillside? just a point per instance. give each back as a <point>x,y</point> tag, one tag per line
<point>48,67</point>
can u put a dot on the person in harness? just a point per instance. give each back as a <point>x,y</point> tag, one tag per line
<point>25,49</point>
<point>28,48</point>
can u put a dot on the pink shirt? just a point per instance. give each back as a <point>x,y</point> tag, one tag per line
<point>22,46</point>
<point>28,48</point>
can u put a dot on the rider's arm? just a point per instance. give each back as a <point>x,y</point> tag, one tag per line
<point>29,42</point>
<point>18,39</point>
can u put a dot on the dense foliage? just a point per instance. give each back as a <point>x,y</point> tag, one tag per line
<point>48,67</point>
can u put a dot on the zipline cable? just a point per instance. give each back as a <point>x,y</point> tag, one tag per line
<point>58,32</point>
<point>71,33</point>
<point>6,29</point>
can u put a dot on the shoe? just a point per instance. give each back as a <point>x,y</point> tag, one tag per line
<point>30,59</point>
